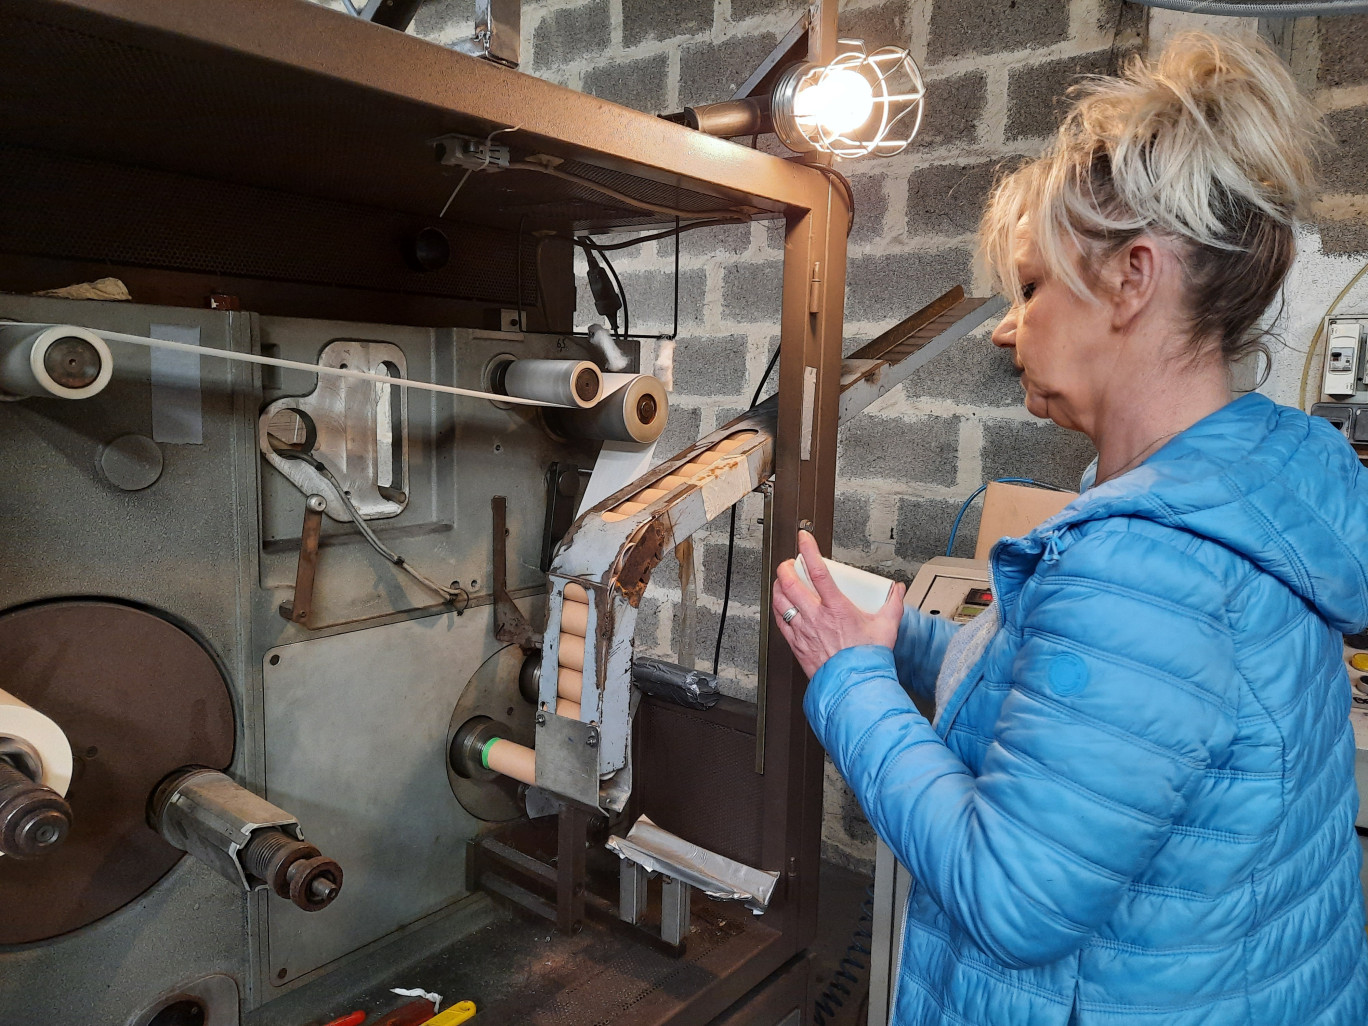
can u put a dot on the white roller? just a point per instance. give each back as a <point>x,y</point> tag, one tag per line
<point>28,360</point>
<point>42,737</point>
<point>566,382</point>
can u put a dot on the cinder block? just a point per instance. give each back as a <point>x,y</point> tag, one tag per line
<point>751,292</point>
<point>442,17</point>
<point>709,72</point>
<point>647,623</point>
<point>871,203</point>
<point>722,239</point>
<point>570,33</point>
<point>948,199</point>
<point>681,431</point>
<point>739,648</point>
<point>637,84</point>
<point>1346,169</point>
<point>774,234</point>
<point>850,521</point>
<point>1035,95</point>
<point>922,449</point>
<point>742,9</point>
<point>953,107</point>
<point>994,26</point>
<point>650,296</point>
<point>748,585</point>
<point>973,371</point>
<point>1344,238</point>
<point>885,25</point>
<point>886,287</point>
<point>648,19</point>
<point>923,528</point>
<point>1038,450</point>
<point>1343,55</point>
<point>711,366</point>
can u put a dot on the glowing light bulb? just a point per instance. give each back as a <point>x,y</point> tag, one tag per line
<point>840,101</point>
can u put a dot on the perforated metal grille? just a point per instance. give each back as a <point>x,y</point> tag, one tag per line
<point>697,779</point>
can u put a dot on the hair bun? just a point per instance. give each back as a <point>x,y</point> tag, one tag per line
<point>1213,125</point>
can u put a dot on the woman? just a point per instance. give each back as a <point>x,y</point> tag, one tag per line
<point>1136,804</point>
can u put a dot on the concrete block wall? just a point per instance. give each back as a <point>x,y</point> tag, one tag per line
<point>995,70</point>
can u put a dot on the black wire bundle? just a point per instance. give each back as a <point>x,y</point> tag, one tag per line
<point>855,962</point>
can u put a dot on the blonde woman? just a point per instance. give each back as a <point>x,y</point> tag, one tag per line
<point>1136,803</point>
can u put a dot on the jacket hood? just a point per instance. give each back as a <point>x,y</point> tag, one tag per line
<point>1283,489</point>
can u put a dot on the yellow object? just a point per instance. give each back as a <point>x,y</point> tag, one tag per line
<point>1359,661</point>
<point>462,1011</point>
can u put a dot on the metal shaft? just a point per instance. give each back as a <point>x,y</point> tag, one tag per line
<point>34,819</point>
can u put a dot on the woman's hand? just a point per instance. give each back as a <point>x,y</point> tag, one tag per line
<point>827,621</point>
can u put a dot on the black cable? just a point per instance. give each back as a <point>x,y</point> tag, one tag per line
<point>846,187</point>
<point>840,989</point>
<point>622,293</point>
<point>639,240</point>
<point>731,530</point>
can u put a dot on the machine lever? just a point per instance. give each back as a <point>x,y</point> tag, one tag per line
<point>297,610</point>
<point>510,626</point>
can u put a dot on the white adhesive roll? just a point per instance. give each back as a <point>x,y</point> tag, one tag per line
<point>57,360</point>
<point>868,592</point>
<point>38,737</point>
<point>567,382</point>
<point>635,408</point>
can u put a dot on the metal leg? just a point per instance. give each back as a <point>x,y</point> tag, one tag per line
<point>632,892</point>
<point>674,911</point>
<point>570,847</point>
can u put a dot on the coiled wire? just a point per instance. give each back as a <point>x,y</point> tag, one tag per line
<point>853,964</point>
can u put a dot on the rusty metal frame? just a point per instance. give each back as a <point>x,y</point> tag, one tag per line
<point>291,33</point>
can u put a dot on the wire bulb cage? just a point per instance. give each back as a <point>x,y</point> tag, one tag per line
<point>859,104</point>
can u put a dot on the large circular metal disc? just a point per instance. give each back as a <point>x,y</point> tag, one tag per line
<point>493,691</point>
<point>137,698</point>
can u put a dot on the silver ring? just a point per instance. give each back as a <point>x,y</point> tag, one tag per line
<point>788,614</point>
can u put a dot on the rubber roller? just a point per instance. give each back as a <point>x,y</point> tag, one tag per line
<point>55,360</point>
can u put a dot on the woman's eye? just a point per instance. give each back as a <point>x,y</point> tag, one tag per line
<point>1027,289</point>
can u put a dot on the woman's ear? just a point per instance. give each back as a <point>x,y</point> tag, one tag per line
<point>1135,272</point>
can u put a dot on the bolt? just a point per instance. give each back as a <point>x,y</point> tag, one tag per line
<point>541,719</point>
<point>592,741</point>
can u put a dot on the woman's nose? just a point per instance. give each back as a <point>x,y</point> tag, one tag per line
<point>1004,334</point>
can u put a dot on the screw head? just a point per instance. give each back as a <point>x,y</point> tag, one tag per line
<point>592,740</point>
<point>541,719</point>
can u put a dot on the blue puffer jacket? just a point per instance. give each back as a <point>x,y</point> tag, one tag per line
<point>1138,807</point>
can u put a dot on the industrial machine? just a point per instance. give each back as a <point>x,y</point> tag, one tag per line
<point>323,554</point>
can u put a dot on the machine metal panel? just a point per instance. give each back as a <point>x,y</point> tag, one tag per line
<point>356,730</point>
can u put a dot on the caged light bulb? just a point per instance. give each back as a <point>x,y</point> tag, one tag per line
<point>839,101</point>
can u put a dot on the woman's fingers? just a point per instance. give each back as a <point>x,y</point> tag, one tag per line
<point>796,593</point>
<point>817,570</point>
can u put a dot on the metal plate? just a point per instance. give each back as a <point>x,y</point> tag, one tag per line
<point>356,734</point>
<point>137,697</point>
<point>493,692</point>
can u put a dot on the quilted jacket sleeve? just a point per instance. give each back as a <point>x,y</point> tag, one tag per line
<point>1123,686</point>
<point>920,649</point>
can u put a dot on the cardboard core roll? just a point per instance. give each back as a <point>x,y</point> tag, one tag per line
<point>511,759</point>
<point>575,618</point>
<point>36,738</point>
<point>575,592</point>
<point>570,652</point>
<point>570,684</point>
<point>570,710</point>
<point>700,464</point>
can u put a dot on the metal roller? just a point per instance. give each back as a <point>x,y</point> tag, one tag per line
<point>56,360</point>
<point>242,836</point>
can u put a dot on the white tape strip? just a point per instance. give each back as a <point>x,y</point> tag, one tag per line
<point>312,368</point>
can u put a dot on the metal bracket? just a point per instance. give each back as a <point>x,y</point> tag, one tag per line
<point>510,626</point>
<point>297,609</point>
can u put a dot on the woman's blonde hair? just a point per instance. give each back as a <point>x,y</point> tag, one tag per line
<point>1212,147</point>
